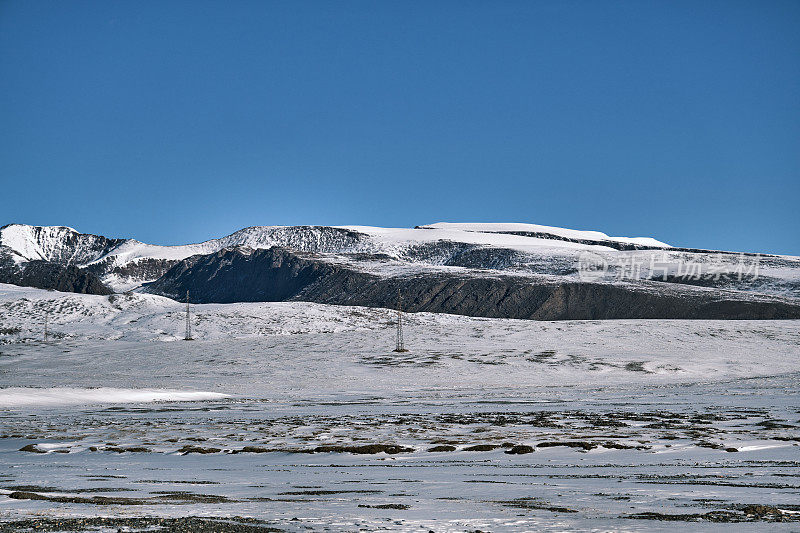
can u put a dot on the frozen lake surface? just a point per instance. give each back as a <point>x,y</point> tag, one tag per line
<point>488,425</point>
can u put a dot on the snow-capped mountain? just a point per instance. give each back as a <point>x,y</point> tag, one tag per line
<point>516,270</point>
<point>66,245</point>
<point>126,263</point>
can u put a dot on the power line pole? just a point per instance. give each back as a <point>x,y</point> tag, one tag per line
<point>46,315</point>
<point>400,345</point>
<point>188,336</point>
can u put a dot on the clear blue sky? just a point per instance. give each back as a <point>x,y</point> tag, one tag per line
<point>173,121</point>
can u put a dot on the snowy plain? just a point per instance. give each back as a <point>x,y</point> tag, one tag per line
<point>270,414</point>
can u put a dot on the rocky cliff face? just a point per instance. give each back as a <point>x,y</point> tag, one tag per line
<point>236,275</point>
<point>49,275</point>
<point>277,274</point>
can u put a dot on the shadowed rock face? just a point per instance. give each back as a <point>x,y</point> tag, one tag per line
<point>48,275</point>
<point>512,297</point>
<point>276,274</point>
<point>141,269</point>
<point>234,275</point>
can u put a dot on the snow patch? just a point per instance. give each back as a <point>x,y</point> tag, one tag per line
<point>24,396</point>
<point>500,227</point>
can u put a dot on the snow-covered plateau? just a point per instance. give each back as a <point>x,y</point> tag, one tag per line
<point>298,416</point>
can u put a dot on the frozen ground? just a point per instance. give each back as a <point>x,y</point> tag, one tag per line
<point>300,416</point>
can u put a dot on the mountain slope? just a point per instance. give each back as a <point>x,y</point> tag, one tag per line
<point>481,269</point>
<point>58,244</point>
<point>277,274</point>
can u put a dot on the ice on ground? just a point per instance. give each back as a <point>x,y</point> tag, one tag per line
<point>312,421</point>
<point>13,397</point>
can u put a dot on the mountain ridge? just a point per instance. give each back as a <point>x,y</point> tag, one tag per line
<point>482,269</point>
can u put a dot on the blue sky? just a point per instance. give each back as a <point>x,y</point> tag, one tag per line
<point>174,122</point>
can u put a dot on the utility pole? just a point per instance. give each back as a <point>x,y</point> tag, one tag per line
<point>46,315</point>
<point>400,346</point>
<point>188,336</point>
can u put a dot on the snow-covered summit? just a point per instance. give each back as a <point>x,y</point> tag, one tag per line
<point>64,244</point>
<point>521,228</point>
<point>67,245</point>
<point>52,243</point>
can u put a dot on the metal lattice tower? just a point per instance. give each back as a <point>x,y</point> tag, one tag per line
<point>400,345</point>
<point>188,336</point>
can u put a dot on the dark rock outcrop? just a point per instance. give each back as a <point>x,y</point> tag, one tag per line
<point>47,275</point>
<point>236,275</point>
<point>140,269</point>
<point>276,274</point>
